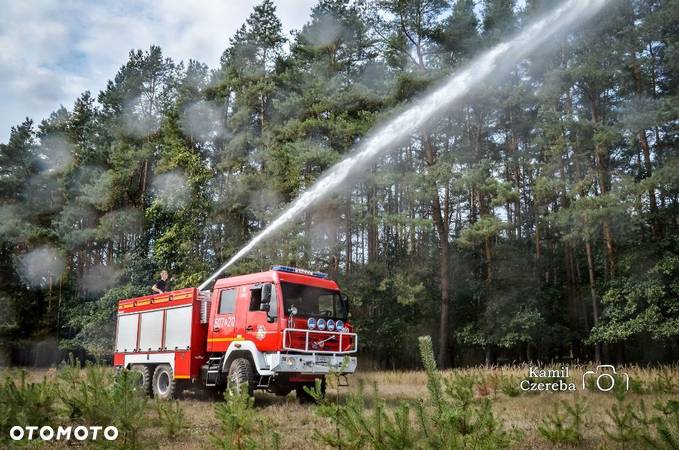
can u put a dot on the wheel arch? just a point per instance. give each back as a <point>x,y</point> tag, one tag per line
<point>241,349</point>
<point>232,356</point>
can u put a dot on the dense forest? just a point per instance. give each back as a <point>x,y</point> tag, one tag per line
<point>536,222</point>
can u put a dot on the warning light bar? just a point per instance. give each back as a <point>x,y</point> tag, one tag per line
<point>299,271</point>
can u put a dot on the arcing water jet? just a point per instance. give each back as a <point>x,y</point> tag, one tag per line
<point>495,61</point>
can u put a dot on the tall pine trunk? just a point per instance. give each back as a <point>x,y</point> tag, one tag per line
<point>601,158</point>
<point>347,229</point>
<point>372,218</point>
<point>592,291</point>
<point>440,217</point>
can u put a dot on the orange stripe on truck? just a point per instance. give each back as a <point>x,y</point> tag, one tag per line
<point>225,339</point>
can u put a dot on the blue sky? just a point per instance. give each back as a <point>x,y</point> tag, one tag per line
<point>53,50</point>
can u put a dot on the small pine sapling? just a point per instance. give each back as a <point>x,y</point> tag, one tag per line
<point>510,386</point>
<point>236,422</point>
<point>563,425</point>
<point>171,417</point>
<point>666,436</point>
<point>239,425</point>
<point>26,404</point>
<point>454,418</point>
<point>366,428</point>
<point>127,408</point>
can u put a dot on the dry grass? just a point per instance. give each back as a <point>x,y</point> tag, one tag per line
<point>523,412</point>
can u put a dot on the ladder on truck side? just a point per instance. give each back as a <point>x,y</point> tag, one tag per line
<point>214,369</point>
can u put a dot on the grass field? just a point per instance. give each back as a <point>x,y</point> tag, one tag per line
<point>518,412</point>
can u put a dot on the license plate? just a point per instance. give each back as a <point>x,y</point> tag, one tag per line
<point>323,359</point>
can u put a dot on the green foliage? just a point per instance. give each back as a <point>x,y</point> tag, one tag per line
<point>240,427</point>
<point>624,418</point>
<point>644,306</point>
<point>450,417</point>
<point>457,417</point>
<point>86,392</point>
<point>406,291</point>
<point>126,408</point>
<point>236,422</point>
<point>664,382</point>
<point>96,396</point>
<point>387,313</point>
<point>667,427</point>
<point>24,403</point>
<point>633,426</point>
<point>360,427</point>
<point>90,396</point>
<point>564,423</point>
<point>510,386</point>
<point>171,417</point>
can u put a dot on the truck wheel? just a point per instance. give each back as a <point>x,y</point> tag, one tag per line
<point>241,377</point>
<point>164,385</point>
<point>303,396</point>
<point>144,378</point>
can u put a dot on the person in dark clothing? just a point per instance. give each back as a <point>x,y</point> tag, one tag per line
<point>162,285</point>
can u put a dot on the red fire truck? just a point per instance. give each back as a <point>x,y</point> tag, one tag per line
<point>277,330</point>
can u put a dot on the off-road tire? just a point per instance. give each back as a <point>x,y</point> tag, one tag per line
<point>241,377</point>
<point>303,396</point>
<point>164,384</point>
<point>145,377</point>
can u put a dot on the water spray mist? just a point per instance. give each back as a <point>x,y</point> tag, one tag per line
<point>495,61</point>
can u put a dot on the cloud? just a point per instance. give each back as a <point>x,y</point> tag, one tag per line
<point>51,51</point>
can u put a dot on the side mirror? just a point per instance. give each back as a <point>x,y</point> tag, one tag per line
<point>266,294</point>
<point>265,304</point>
<point>345,303</point>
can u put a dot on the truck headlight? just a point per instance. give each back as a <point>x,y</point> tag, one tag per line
<point>290,361</point>
<point>331,325</point>
<point>311,323</point>
<point>339,325</point>
<point>320,323</point>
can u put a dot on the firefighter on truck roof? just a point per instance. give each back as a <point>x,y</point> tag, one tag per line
<point>162,285</point>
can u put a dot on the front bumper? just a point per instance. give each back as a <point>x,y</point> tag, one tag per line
<point>311,363</point>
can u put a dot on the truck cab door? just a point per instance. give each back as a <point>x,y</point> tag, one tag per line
<point>263,317</point>
<point>223,324</point>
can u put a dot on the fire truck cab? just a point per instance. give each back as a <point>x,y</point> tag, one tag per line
<point>277,330</point>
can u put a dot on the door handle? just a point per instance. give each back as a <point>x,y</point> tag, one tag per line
<point>216,328</point>
<point>249,328</point>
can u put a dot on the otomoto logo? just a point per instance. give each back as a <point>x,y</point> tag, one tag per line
<point>78,433</point>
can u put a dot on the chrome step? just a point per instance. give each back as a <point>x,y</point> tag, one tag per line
<point>213,371</point>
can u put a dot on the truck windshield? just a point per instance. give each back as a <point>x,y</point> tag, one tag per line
<point>313,302</point>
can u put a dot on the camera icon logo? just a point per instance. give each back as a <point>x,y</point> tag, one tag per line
<point>605,377</point>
